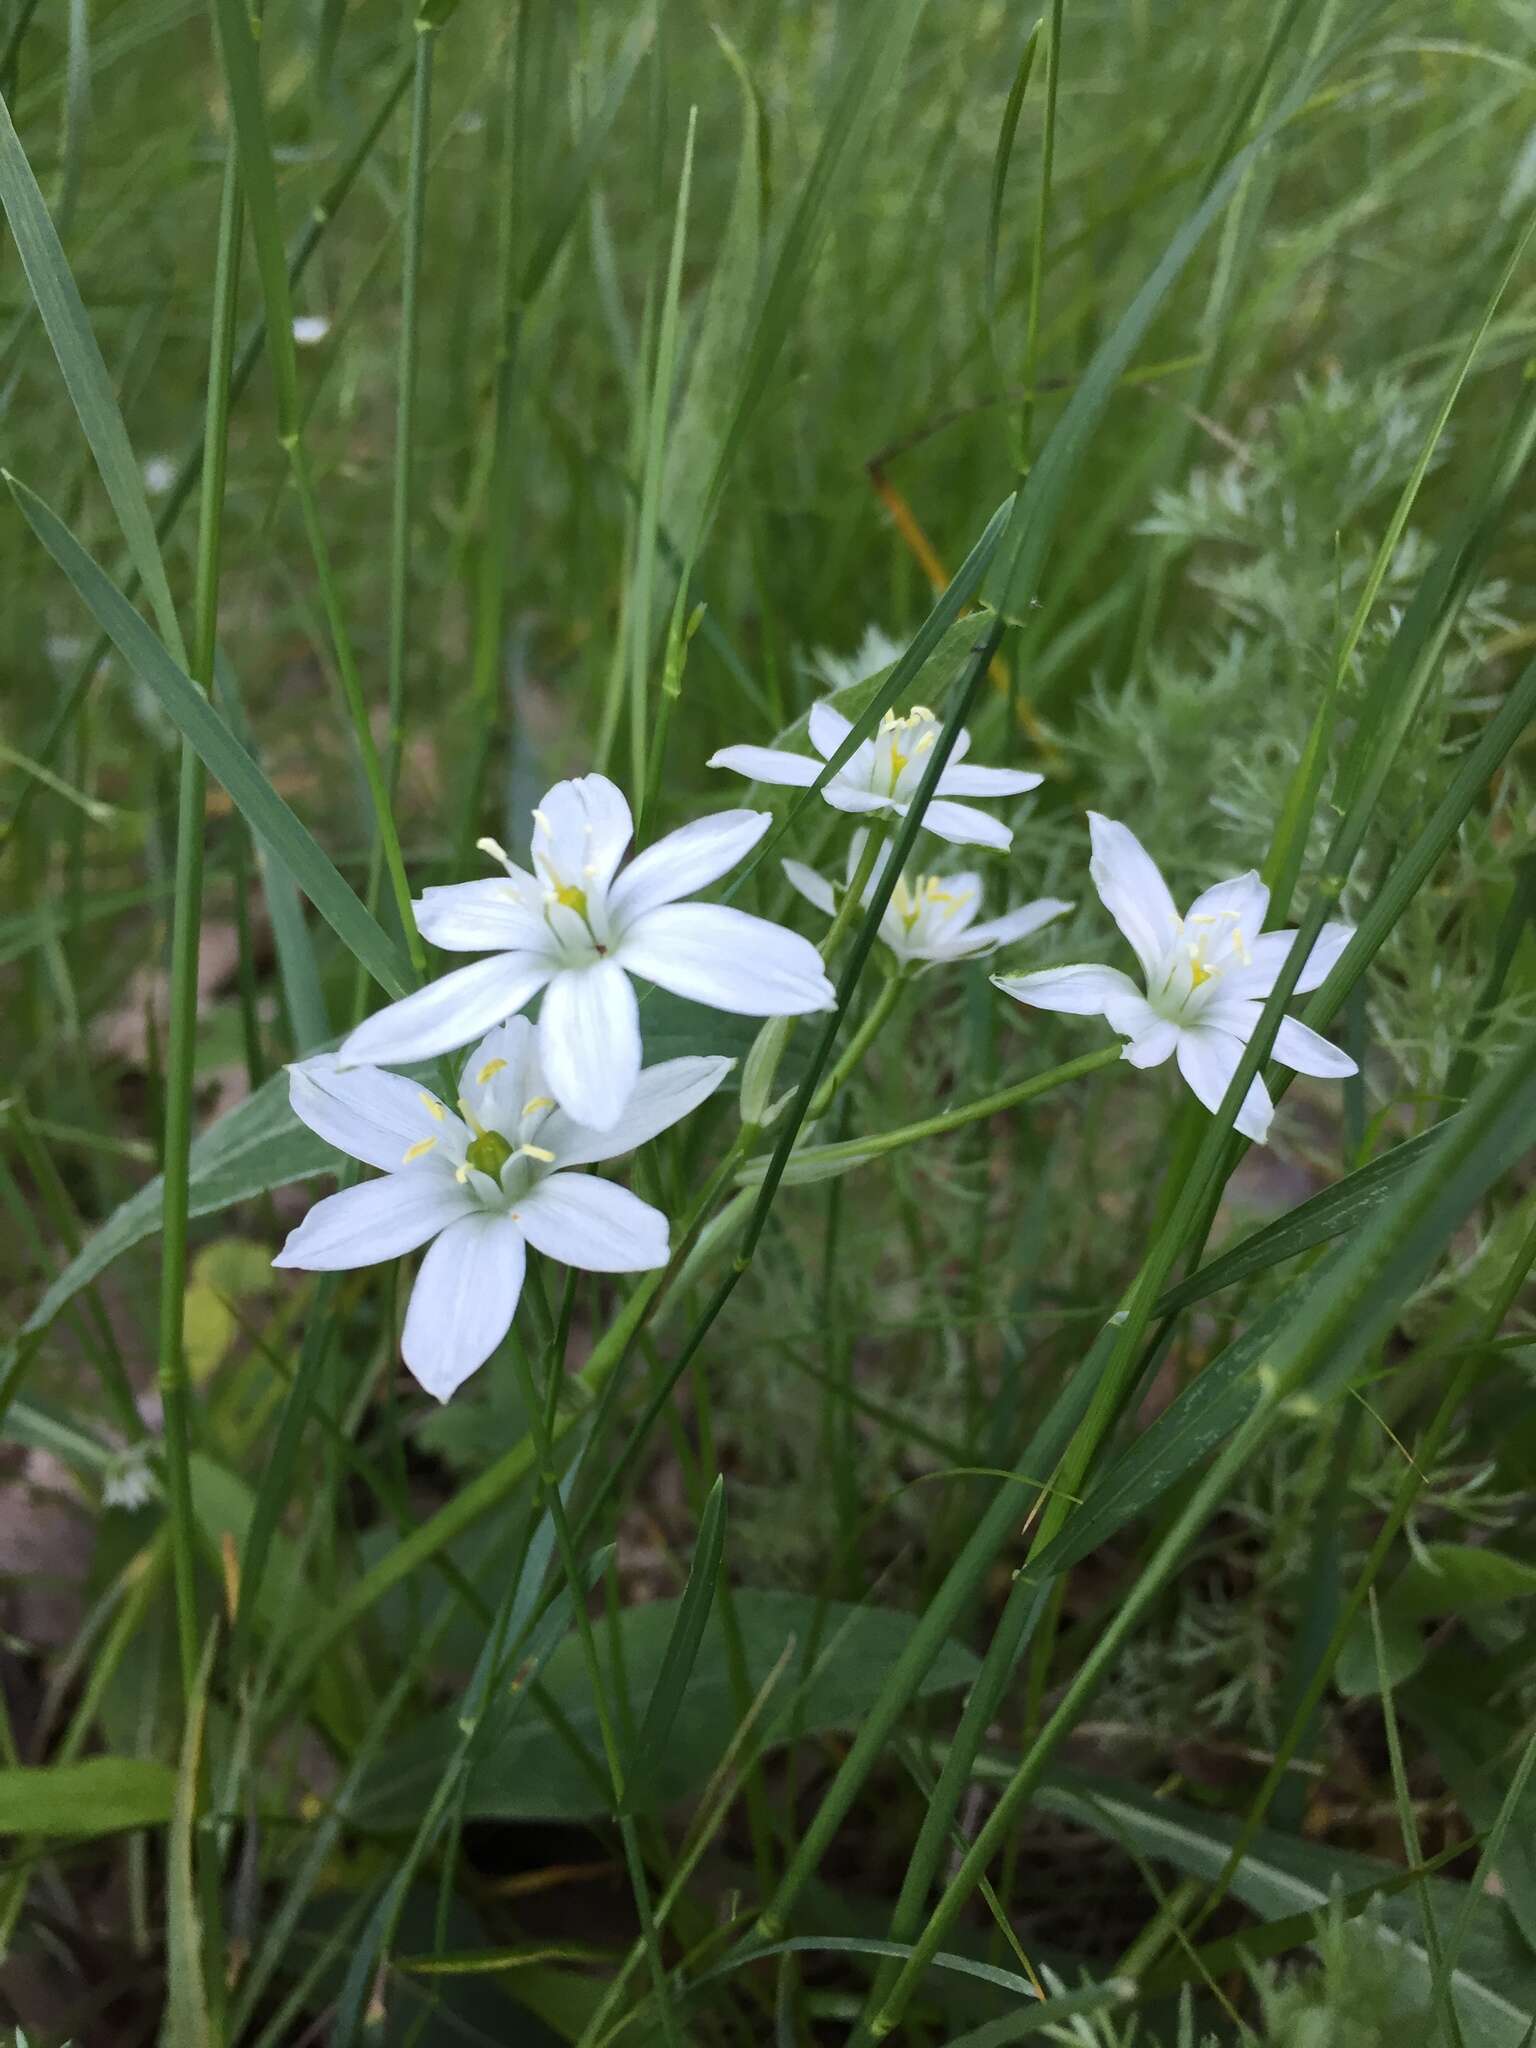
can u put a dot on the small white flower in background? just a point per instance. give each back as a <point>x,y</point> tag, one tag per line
<point>578,928</point>
<point>883,774</point>
<point>1206,975</point>
<point>483,1185</point>
<point>877,650</point>
<point>129,1481</point>
<point>159,475</point>
<point>310,329</point>
<point>929,918</point>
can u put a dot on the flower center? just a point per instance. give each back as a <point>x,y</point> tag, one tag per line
<point>892,725</point>
<point>489,1153</point>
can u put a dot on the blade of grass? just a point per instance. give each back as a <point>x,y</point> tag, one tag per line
<point>252,794</point>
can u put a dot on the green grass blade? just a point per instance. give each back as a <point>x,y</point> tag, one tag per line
<point>682,1649</point>
<point>85,374</point>
<point>253,796</point>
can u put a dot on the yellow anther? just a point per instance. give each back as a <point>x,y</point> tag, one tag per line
<point>495,849</point>
<point>536,1152</point>
<point>926,742</point>
<point>461,1174</point>
<point>538,1102</point>
<point>541,819</point>
<point>432,1106</point>
<point>470,1118</point>
<point>489,1072</point>
<point>419,1150</point>
<point>572,898</point>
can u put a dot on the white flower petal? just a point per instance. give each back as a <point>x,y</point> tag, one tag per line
<point>1153,1044</point>
<point>590,1223</point>
<point>1269,955</point>
<point>1133,891</point>
<point>767,764</point>
<point>729,959</point>
<point>378,1220</point>
<point>972,781</point>
<point>684,862</point>
<point>1297,1045</point>
<point>1242,902</point>
<point>962,826</point>
<point>1079,991</point>
<point>447,1013</point>
<point>843,793</point>
<point>580,831</point>
<point>463,1301</point>
<point>490,916</point>
<point>371,1115</point>
<point>1208,1060</point>
<point>662,1096</point>
<point>1016,924</point>
<point>828,729</point>
<point>816,889</point>
<point>589,1041</point>
<point>502,1075</point>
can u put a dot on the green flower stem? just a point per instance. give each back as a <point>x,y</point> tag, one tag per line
<point>549,1488</point>
<point>853,895</point>
<point>175,1393</point>
<point>405,440</point>
<point>352,691</point>
<point>856,1150</point>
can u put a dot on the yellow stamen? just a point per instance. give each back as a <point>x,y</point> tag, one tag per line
<point>1198,972</point>
<point>536,1152</point>
<point>470,1118</point>
<point>541,819</point>
<point>495,849</point>
<point>419,1150</point>
<point>488,1072</point>
<point>571,897</point>
<point>432,1106</point>
<point>538,1102</point>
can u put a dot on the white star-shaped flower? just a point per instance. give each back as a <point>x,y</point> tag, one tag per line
<point>930,918</point>
<point>578,928</point>
<point>1207,974</point>
<point>882,774</point>
<point>482,1185</point>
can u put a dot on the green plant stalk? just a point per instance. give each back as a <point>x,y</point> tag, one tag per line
<point>405,444</point>
<point>181,1053</point>
<point>549,1487</point>
<point>1395,1247</point>
<point>1042,228</point>
<point>640,611</point>
<point>856,1150</point>
<point>1425,1453</point>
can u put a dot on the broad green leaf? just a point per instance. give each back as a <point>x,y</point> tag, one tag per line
<point>99,1796</point>
<point>1494,1986</point>
<point>263,809</point>
<point>530,1774</point>
<point>1459,1578</point>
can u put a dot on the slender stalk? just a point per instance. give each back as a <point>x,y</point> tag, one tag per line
<point>357,704</point>
<point>856,1150</point>
<point>1042,228</point>
<point>405,442</point>
<point>175,1393</point>
<point>549,1486</point>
